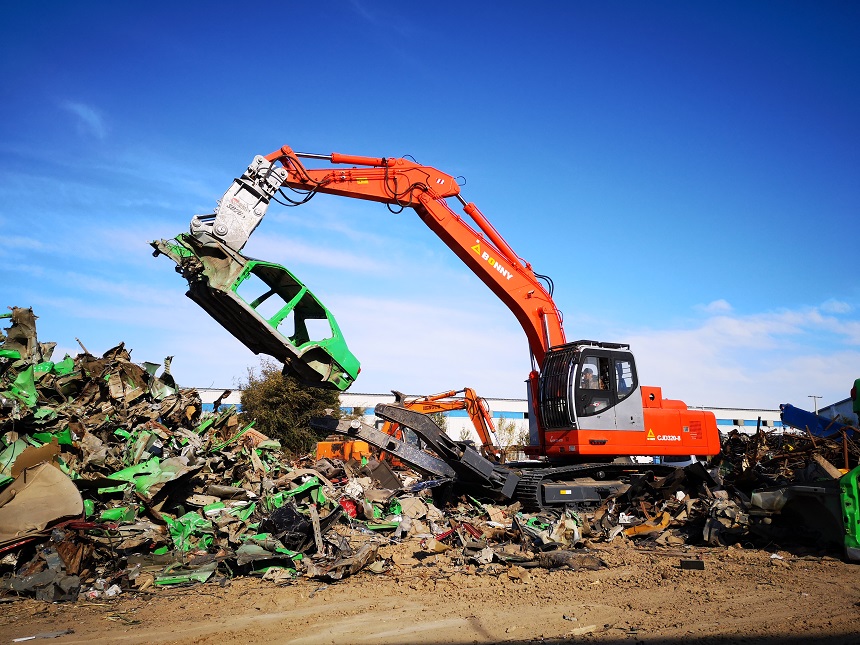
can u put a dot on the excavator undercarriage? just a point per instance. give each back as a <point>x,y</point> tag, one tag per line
<point>536,485</point>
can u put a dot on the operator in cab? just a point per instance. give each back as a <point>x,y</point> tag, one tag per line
<point>589,380</point>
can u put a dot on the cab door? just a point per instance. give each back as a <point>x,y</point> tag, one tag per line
<point>593,396</point>
<point>606,391</point>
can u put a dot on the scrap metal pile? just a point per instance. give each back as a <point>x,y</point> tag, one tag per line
<point>113,480</point>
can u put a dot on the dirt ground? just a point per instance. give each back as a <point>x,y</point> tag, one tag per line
<point>642,595</point>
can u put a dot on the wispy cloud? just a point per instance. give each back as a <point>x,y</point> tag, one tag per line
<point>121,291</point>
<point>715,307</point>
<point>291,252</point>
<point>362,11</point>
<point>20,246</point>
<point>425,347</point>
<point>324,216</point>
<point>90,120</point>
<point>754,360</point>
<point>836,307</point>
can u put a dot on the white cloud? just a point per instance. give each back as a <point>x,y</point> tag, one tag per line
<point>331,214</point>
<point>290,252</point>
<point>424,347</point>
<point>90,120</point>
<point>835,307</point>
<point>715,307</point>
<point>22,243</point>
<point>757,360</point>
<point>122,291</point>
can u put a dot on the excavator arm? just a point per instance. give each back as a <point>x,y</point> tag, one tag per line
<point>475,407</point>
<point>400,183</point>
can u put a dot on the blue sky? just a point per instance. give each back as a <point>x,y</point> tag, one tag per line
<point>687,173</point>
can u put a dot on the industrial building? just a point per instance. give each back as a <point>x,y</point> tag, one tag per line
<point>511,415</point>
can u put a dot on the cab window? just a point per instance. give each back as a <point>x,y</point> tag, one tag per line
<point>624,378</point>
<point>595,393</point>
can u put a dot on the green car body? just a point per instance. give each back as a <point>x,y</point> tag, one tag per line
<point>266,307</point>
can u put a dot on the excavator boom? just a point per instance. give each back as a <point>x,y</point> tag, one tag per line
<point>400,183</point>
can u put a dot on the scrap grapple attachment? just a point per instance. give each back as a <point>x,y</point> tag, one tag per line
<point>467,463</point>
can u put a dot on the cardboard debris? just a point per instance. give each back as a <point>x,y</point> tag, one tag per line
<point>40,495</point>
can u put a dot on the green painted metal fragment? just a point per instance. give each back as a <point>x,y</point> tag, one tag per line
<point>270,544</point>
<point>535,523</point>
<point>277,500</point>
<point>243,512</point>
<point>63,437</point>
<point>849,486</point>
<point>189,531</point>
<point>318,496</point>
<point>23,388</point>
<point>266,307</point>
<point>234,437</point>
<point>46,414</point>
<point>65,366</point>
<point>379,526</point>
<point>10,454</point>
<point>178,576</point>
<point>394,507</point>
<point>142,475</point>
<point>204,425</point>
<point>266,568</point>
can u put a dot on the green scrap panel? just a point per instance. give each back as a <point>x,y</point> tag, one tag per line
<point>850,489</point>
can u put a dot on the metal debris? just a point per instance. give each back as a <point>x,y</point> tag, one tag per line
<point>154,494</point>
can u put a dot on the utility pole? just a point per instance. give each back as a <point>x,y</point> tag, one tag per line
<point>814,398</point>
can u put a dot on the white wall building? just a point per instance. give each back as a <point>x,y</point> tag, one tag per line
<point>513,411</point>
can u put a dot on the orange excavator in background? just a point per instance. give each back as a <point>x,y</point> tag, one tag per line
<point>588,412</point>
<point>475,407</point>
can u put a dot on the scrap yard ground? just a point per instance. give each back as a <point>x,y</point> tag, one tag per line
<point>741,596</point>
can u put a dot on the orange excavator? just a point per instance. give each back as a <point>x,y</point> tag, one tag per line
<point>475,407</point>
<point>587,407</point>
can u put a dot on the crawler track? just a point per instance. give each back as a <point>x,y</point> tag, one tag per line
<point>529,489</point>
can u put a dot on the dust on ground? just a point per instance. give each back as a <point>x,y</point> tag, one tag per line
<point>642,595</point>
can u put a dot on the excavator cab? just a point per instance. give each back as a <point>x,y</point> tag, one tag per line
<point>590,385</point>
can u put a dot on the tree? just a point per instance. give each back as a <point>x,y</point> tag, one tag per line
<point>283,407</point>
<point>440,420</point>
<point>509,434</point>
<point>358,412</point>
